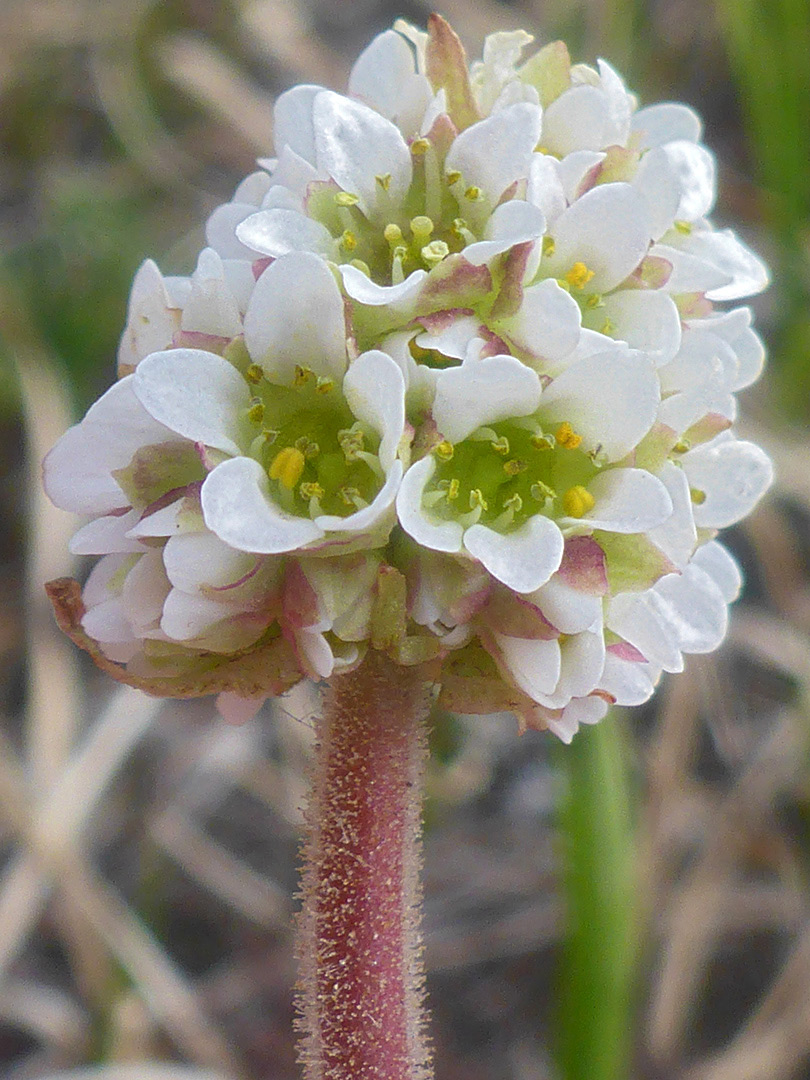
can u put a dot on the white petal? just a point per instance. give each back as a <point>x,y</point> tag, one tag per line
<point>659,124</point>
<point>211,308</point>
<point>483,392</point>
<point>695,609</point>
<point>610,399</point>
<point>365,519</point>
<point>354,145</point>
<point>627,681</point>
<point>747,272</point>
<point>199,559</point>
<point>143,594</point>
<point>195,393</point>
<point>619,104</point>
<point>220,230</point>
<point>577,120</point>
<point>293,123</point>
<point>689,273</point>
<point>252,189</point>
<point>534,665</point>
<point>295,317</point>
<point>547,324</point>
<point>186,617</point>
<point>656,180</point>
<point>626,501</point>
<point>587,710</point>
<point>734,475</point>
<point>382,72</point>
<point>375,392</point>
<point>583,658</point>
<point>106,535</point>
<point>514,222</point>
<point>569,610</point>
<point>694,167</point>
<point>238,507</point>
<point>677,536</point>
<point>365,291</point>
<point>544,187</point>
<point>77,473</point>
<point>495,152</point>
<point>293,173</point>
<point>164,522</point>
<point>574,168</point>
<point>151,319</point>
<point>107,623</point>
<point>721,566</point>
<point>646,319</point>
<point>608,229</point>
<point>454,339</point>
<point>430,532</point>
<point>642,619</point>
<point>524,559</point>
<point>278,232</point>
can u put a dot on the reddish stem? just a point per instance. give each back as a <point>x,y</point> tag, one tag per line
<point>359,947</point>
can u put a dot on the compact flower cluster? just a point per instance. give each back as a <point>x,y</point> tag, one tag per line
<point>450,380</point>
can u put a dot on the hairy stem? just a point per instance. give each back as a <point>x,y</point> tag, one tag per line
<point>361,987</point>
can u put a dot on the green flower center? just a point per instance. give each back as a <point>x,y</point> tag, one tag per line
<point>504,474</point>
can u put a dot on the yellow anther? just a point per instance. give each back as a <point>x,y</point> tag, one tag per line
<point>345,198</point>
<point>256,411</point>
<point>541,149</point>
<point>444,450</point>
<point>384,180</point>
<point>392,234</point>
<point>608,327</point>
<point>419,147</point>
<point>348,495</point>
<point>254,374</point>
<point>514,467</point>
<point>541,491</point>
<point>477,499</point>
<point>351,442</point>
<point>540,441</point>
<point>311,490</point>
<point>453,489</point>
<point>500,445</point>
<point>682,445</point>
<point>567,437</point>
<point>698,497</point>
<point>363,267</point>
<point>577,501</point>
<point>324,385</point>
<point>684,227</point>
<point>269,435</point>
<point>453,177</point>
<point>302,375</point>
<point>473,193</point>
<point>433,253</point>
<point>421,227</point>
<point>307,447</point>
<point>595,300</point>
<point>514,503</point>
<point>549,245</point>
<point>579,275</point>
<point>348,241</point>
<point>287,466</point>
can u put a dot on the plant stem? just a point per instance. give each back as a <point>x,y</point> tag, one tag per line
<point>361,986</point>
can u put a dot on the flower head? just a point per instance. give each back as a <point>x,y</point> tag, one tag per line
<point>453,379</point>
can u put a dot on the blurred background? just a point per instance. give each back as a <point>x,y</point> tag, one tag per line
<point>636,907</point>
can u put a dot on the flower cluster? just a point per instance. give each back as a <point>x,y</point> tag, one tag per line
<point>450,380</point>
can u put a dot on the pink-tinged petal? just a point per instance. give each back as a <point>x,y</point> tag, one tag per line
<point>646,319</point>
<point>77,473</point>
<point>583,566</point>
<point>144,592</point>
<point>677,537</point>
<point>569,609</point>
<point>370,515</point>
<point>279,231</point>
<point>430,532</point>
<point>642,619</point>
<point>689,274</point>
<point>365,291</point>
<point>220,230</point>
<point>314,653</point>
<point>451,337</point>
<point>293,123</point>
<point>152,320</point>
<point>626,501</point>
<point>625,651</point>
<point>732,475</point>
<point>238,710</point>
<point>721,566</point>
<point>579,119</point>
<point>694,166</point>
<point>106,535</point>
<point>166,521</point>
<point>107,624</point>
<point>514,222</point>
<point>238,507</point>
<point>517,616</point>
<point>534,665</point>
<point>577,172</point>
<point>610,398</point>
<point>455,283</point>
<point>375,392</point>
<point>495,152</point>
<point>656,180</point>
<point>354,145</point>
<point>629,683</point>
<point>197,394</point>
<point>587,710</point>
<point>608,230</point>
<point>524,559</point>
<point>664,123</point>
<point>296,318</point>
<point>483,392</point>
<point>547,323</point>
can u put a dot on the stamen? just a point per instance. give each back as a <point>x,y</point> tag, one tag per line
<point>434,252</point>
<point>351,441</point>
<point>461,229</point>
<point>254,374</point>
<point>307,447</point>
<point>682,445</point>
<point>579,275</point>
<point>594,301</point>
<point>473,193</point>
<point>266,438</point>
<point>511,506</point>
<point>567,437</point>
<point>684,227</point>
<point>348,241</point>
<point>393,235</point>
<point>514,502</point>
<point>311,490</point>
<point>542,492</point>
<point>422,229</point>
<point>256,411</point>
<point>577,501</point>
<point>419,147</point>
<point>361,266</point>
<point>608,327</point>
<point>500,446</point>
<point>549,245</point>
<point>453,489</point>
<point>384,181</point>
<point>477,499</point>
<point>323,385</point>
<point>372,461</point>
<point>541,441</point>
<point>397,269</point>
<point>302,375</point>
<point>287,467</point>
<point>432,498</point>
<point>514,467</point>
<point>483,434</point>
<point>698,496</point>
<point>444,450</point>
<point>345,198</point>
<point>452,177</point>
